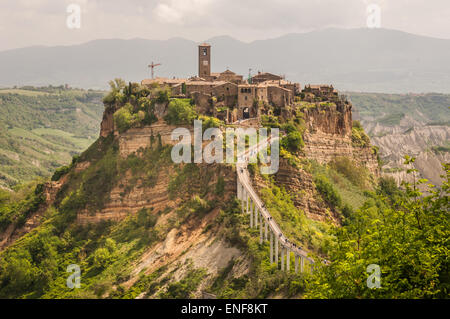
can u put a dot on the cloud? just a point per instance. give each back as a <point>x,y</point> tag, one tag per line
<point>183,12</point>
<point>166,13</point>
<point>42,22</point>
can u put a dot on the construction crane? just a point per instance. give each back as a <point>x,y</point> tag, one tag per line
<point>152,67</point>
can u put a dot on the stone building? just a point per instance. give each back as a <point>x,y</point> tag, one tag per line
<point>232,98</point>
<point>204,61</point>
<point>321,90</point>
<point>265,76</point>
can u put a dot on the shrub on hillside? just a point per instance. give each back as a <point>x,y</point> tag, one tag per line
<point>354,173</point>
<point>293,141</point>
<point>125,118</point>
<point>180,111</point>
<point>209,122</point>
<point>328,192</point>
<point>60,172</point>
<point>388,186</point>
<point>359,137</point>
<point>162,95</point>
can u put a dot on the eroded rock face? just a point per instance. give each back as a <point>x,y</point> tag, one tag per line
<point>12,233</point>
<point>123,202</point>
<point>329,135</point>
<point>136,138</point>
<point>299,184</point>
<point>107,125</point>
<point>416,141</point>
<point>130,195</point>
<point>330,119</point>
<point>161,110</point>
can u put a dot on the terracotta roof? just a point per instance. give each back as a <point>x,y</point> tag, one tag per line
<point>278,87</point>
<point>277,82</point>
<point>204,44</point>
<point>318,86</point>
<point>196,78</point>
<point>162,80</point>
<point>214,83</point>
<point>228,72</point>
<point>219,83</point>
<point>264,74</point>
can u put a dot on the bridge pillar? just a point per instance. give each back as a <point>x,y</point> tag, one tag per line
<point>265,230</point>
<point>276,249</point>
<point>282,258</point>
<point>247,200</point>
<point>238,189</point>
<point>260,228</point>
<point>271,248</point>
<point>251,218</point>
<point>302,264</point>
<point>242,199</point>
<point>256,217</point>
<point>288,263</point>
<point>296,263</point>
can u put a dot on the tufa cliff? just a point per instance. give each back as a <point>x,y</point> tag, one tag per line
<point>142,226</point>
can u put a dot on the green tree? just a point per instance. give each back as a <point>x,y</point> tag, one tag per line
<point>180,111</point>
<point>408,237</point>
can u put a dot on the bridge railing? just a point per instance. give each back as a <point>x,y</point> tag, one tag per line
<point>259,205</point>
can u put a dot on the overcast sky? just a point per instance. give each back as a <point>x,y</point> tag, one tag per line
<point>43,22</point>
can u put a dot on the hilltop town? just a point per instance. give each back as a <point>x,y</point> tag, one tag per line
<point>141,225</point>
<point>230,97</point>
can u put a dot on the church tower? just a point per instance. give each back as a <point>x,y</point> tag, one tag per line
<point>204,60</point>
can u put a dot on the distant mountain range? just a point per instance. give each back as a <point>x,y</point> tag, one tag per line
<point>370,60</point>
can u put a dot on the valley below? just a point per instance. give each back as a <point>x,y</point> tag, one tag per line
<point>410,124</point>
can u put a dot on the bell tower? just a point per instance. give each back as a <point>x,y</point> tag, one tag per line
<point>204,60</point>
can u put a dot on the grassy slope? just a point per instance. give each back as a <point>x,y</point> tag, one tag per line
<point>41,129</point>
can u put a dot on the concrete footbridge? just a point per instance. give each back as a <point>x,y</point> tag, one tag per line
<point>280,246</point>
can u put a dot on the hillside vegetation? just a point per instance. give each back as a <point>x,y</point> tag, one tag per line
<point>43,128</point>
<point>195,237</point>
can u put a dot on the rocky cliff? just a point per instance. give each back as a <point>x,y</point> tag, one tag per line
<point>299,184</point>
<point>14,231</point>
<point>166,224</point>
<point>329,135</point>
